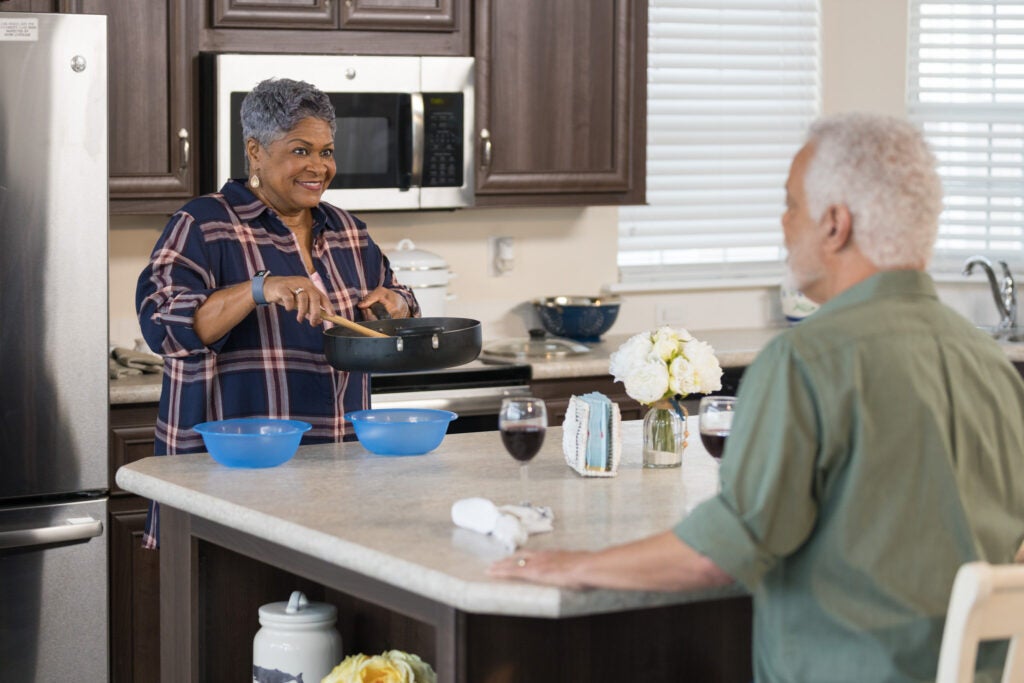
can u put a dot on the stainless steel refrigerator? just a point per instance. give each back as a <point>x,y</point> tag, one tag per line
<point>53,348</point>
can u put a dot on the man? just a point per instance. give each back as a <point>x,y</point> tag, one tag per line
<point>877,446</point>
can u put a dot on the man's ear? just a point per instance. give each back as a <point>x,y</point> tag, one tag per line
<point>840,230</point>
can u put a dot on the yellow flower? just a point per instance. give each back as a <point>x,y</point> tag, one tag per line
<point>380,669</point>
<point>347,671</point>
<point>420,671</point>
<point>393,666</point>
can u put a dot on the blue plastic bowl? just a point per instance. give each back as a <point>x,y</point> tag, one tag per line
<point>401,431</point>
<point>252,441</point>
<point>582,318</point>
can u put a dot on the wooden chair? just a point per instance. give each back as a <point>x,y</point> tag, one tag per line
<point>987,603</point>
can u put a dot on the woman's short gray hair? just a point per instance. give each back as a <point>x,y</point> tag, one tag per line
<point>276,105</point>
<point>881,168</point>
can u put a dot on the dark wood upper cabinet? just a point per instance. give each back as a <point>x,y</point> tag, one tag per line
<point>560,86</point>
<point>561,101</point>
<point>150,103</point>
<point>365,27</point>
<point>363,15</point>
<point>275,14</point>
<point>399,15</point>
<point>28,5</point>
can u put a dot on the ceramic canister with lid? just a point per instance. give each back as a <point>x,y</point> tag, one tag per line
<point>425,273</point>
<point>297,641</point>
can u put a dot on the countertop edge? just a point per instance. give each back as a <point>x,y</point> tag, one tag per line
<point>498,598</point>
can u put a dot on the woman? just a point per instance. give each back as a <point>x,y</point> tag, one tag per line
<point>233,294</point>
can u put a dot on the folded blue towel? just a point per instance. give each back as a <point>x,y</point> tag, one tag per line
<point>598,429</point>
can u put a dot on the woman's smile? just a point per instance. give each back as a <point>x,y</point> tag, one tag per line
<point>295,169</point>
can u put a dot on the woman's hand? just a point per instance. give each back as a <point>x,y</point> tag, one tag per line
<point>299,294</point>
<point>389,298</point>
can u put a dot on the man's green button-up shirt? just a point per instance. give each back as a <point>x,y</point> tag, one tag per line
<point>877,446</point>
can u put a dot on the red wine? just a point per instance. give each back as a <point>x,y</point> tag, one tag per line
<point>714,442</point>
<point>523,441</point>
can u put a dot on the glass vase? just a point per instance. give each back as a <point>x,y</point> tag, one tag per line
<point>665,435</point>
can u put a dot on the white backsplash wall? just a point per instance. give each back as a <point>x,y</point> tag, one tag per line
<point>557,251</point>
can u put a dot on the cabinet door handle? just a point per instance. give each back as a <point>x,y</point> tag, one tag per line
<point>183,139</point>
<point>485,157</point>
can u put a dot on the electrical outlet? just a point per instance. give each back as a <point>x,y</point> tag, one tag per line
<point>672,314</point>
<point>501,255</point>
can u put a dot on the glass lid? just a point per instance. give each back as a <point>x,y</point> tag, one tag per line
<point>539,346</point>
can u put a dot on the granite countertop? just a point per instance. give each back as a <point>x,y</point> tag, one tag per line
<point>389,517</point>
<point>734,348</point>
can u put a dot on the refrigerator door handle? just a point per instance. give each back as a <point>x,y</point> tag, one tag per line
<point>73,529</point>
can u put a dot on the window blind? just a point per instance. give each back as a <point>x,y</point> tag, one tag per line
<point>732,87</point>
<point>966,89</point>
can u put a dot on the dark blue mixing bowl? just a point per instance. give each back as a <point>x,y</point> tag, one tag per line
<point>582,318</point>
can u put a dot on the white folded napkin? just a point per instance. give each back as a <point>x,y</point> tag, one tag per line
<point>511,525</point>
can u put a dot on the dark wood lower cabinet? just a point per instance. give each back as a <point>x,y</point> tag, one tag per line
<point>557,392</point>
<point>134,571</point>
<point>216,578</point>
<point>134,595</point>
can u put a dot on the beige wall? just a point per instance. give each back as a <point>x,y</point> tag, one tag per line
<point>557,251</point>
<point>864,56</point>
<point>572,251</point>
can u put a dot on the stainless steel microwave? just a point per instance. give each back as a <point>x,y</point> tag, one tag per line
<point>404,134</point>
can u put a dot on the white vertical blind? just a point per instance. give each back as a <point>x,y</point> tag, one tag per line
<point>732,87</point>
<point>966,89</point>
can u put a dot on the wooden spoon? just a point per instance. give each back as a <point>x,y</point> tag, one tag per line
<point>354,326</point>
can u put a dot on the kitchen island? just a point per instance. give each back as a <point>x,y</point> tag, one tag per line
<point>374,536</point>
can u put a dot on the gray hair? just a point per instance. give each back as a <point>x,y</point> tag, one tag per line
<point>881,168</point>
<point>276,105</point>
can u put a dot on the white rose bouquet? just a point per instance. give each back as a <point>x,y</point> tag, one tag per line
<point>658,368</point>
<point>393,666</point>
<point>664,364</point>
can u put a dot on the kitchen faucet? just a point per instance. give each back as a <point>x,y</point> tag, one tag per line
<point>1005,294</point>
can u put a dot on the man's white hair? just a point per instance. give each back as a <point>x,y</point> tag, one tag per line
<point>881,168</point>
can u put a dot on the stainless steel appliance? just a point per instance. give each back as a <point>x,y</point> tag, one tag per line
<point>473,390</point>
<point>53,348</point>
<point>404,124</point>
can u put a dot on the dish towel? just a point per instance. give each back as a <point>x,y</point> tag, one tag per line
<point>138,360</point>
<point>510,525</point>
<point>117,371</point>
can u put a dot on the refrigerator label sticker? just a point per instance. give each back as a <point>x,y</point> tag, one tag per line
<point>25,29</point>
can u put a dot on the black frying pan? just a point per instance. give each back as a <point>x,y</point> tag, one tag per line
<point>413,344</point>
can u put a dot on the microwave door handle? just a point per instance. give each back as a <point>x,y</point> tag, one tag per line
<point>416,103</point>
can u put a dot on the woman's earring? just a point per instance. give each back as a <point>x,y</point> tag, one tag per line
<point>254,181</point>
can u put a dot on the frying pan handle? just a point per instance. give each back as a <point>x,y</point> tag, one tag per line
<point>380,311</point>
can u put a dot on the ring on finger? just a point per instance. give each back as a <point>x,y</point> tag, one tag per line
<point>298,290</point>
<point>521,562</point>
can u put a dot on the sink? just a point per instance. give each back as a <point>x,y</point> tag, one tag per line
<point>1011,335</point>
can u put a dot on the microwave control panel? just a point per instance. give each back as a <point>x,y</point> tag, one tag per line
<point>443,124</point>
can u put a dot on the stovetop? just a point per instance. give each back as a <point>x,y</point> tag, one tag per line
<point>477,373</point>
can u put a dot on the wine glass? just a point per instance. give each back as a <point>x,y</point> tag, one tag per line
<point>715,414</point>
<point>523,422</point>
